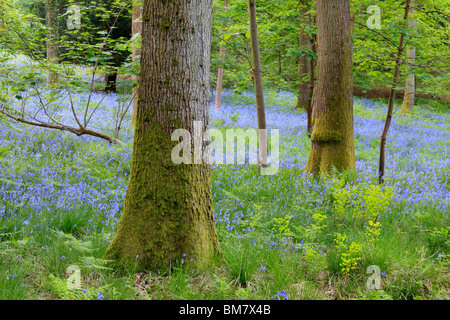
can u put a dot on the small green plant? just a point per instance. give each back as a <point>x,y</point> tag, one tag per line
<point>58,287</point>
<point>234,118</point>
<point>317,226</point>
<point>281,226</point>
<point>350,253</point>
<point>221,289</point>
<point>314,259</point>
<point>373,295</point>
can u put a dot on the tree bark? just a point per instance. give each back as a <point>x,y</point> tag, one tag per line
<point>304,65</point>
<point>259,92</point>
<point>381,164</point>
<point>52,49</point>
<point>2,25</point>
<point>309,108</point>
<point>410,87</point>
<point>220,69</point>
<point>111,82</point>
<point>332,139</point>
<point>168,208</point>
<point>136,28</point>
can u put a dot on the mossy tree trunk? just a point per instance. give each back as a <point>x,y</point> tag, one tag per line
<point>168,208</point>
<point>303,63</point>
<point>410,87</point>
<point>2,25</point>
<point>52,49</point>
<point>312,74</point>
<point>332,139</point>
<point>312,80</point>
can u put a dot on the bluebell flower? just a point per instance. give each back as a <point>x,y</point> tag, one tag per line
<point>282,294</point>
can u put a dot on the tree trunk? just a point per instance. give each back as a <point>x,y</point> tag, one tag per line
<point>332,140</point>
<point>168,209</point>
<point>2,25</point>
<point>110,82</point>
<point>111,75</point>
<point>136,28</point>
<point>408,99</point>
<point>220,69</point>
<point>381,164</point>
<point>309,108</point>
<point>259,92</point>
<point>52,49</point>
<point>304,65</point>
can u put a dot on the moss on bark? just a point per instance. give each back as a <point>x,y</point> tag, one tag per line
<point>332,140</point>
<point>168,209</point>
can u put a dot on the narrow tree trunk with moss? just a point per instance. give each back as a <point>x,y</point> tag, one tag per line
<point>332,139</point>
<point>168,209</point>
<point>312,72</point>
<point>52,49</point>
<point>220,69</point>
<point>303,62</point>
<point>136,53</point>
<point>387,123</point>
<point>2,25</point>
<point>259,92</point>
<point>410,87</point>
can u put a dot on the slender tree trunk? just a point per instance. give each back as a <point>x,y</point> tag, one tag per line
<point>332,140</point>
<point>111,82</point>
<point>381,164</point>
<point>111,76</point>
<point>309,105</point>
<point>259,92</point>
<point>220,69</point>
<point>280,63</point>
<point>52,49</point>
<point>410,87</point>
<point>168,208</point>
<point>2,25</point>
<point>136,28</point>
<point>304,65</point>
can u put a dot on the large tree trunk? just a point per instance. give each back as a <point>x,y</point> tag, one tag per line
<point>168,208</point>
<point>410,87</point>
<point>220,69</point>
<point>303,63</point>
<point>52,49</point>
<point>136,28</point>
<point>259,92</point>
<point>387,123</point>
<point>332,140</point>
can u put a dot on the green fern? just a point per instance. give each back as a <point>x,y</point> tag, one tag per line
<point>59,288</point>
